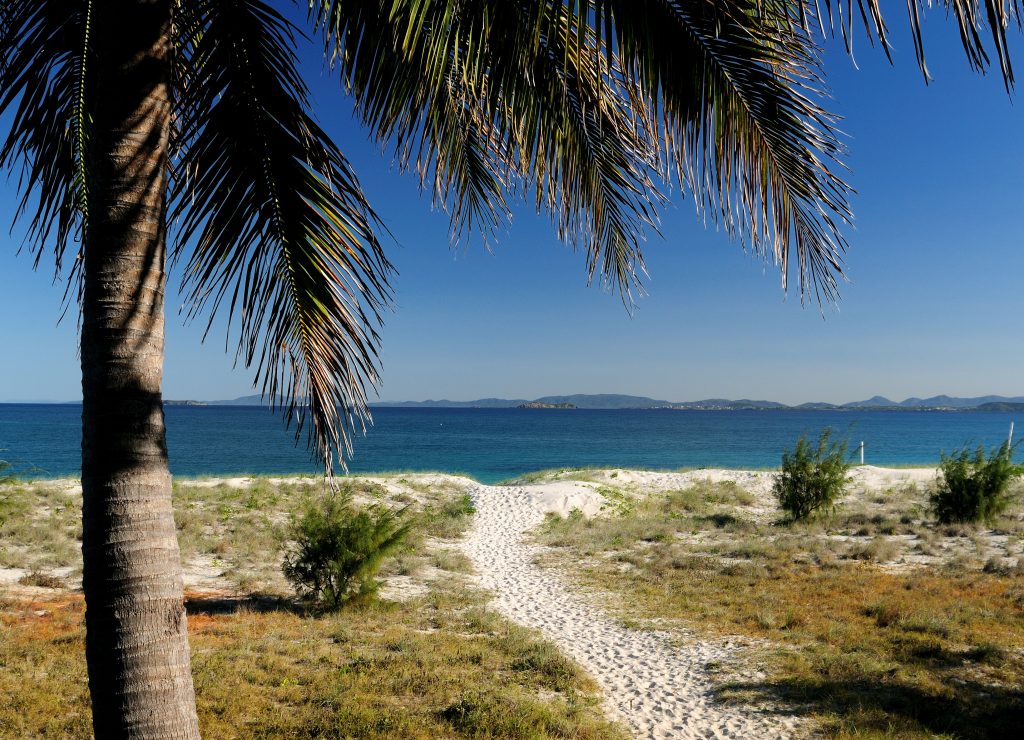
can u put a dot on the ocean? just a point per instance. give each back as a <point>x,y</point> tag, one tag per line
<point>496,444</point>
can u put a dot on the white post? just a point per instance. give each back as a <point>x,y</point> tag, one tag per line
<point>862,452</point>
<point>1009,441</point>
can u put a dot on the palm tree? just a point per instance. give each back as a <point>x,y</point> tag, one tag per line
<point>129,118</point>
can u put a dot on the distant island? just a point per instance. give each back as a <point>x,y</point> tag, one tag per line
<point>620,401</point>
<point>1001,404</point>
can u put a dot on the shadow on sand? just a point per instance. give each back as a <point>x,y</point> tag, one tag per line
<point>969,709</point>
<point>211,605</point>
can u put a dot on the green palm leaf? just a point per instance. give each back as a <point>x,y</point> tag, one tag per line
<point>738,99</point>
<point>45,89</point>
<point>590,105</point>
<point>547,118</point>
<point>279,230</point>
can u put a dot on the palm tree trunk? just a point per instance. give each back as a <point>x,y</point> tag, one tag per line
<point>136,639</point>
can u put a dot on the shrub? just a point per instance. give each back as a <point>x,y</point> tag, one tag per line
<point>812,477</point>
<point>339,547</point>
<point>449,518</point>
<point>973,487</point>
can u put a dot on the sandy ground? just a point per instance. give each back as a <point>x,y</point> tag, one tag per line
<point>657,687</point>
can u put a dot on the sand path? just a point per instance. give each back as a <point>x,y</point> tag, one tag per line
<point>658,688</point>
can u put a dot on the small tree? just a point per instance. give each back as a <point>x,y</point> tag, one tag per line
<point>973,487</point>
<point>339,547</point>
<point>811,478</point>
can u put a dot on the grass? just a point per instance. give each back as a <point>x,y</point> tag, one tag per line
<point>40,526</point>
<point>435,664</point>
<point>429,667</point>
<point>866,646</point>
<point>232,535</point>
<point>552,474</point>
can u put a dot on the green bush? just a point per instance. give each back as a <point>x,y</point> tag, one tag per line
<point>339,547</point>
<point>812,477</point>
<point>973,488</point>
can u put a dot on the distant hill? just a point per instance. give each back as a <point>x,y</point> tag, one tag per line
<point>255,400</point>
<point>597,401</point>
<point>606,401</point>
<point>622,401</point>
<point>953,402</point>
<point>873,402</point>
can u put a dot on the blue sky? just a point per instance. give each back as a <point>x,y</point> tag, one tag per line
<point>934,303</point>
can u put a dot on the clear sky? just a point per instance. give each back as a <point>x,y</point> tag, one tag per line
<point>934,302</point>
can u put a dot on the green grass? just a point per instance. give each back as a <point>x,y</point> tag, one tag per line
<point>551,474</point>
<point>236,532</point>
<point>40,526</point>
<point>865,650</point>
<point>436,664</point>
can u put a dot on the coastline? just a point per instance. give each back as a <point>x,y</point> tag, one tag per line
<point>238,477</point>
<point>499,445</point>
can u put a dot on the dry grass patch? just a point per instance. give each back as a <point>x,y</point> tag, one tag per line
<point>40,526</point>
<point>439,666</point>
<point>870,651</point>
<point>436,664</point>
<point>232,533</point>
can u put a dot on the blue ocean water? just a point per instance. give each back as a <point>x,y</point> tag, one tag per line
<point>496,444</point>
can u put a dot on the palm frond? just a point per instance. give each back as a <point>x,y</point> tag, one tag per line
<point>279,230</point>
<point>44,87</point>
<point>590,105</point>
<point>546,117</point>
<point>738,97</point>
<point>429,118</point>
<point>972,17</point>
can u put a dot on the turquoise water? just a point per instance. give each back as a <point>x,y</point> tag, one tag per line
<point>495,444</point>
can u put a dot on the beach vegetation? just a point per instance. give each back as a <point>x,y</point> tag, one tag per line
<point>862,632</point>
<point>445,558</point>
<point>436,665</point>
<point>446,517</point>
<point>40,526</point>
<point>973,487</point>
<point>582,473</point>
<point>339,547</point>
<point>812,477</point>
<point>265,666</point>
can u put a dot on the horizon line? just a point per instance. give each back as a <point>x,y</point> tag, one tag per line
<point>52,402</point>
